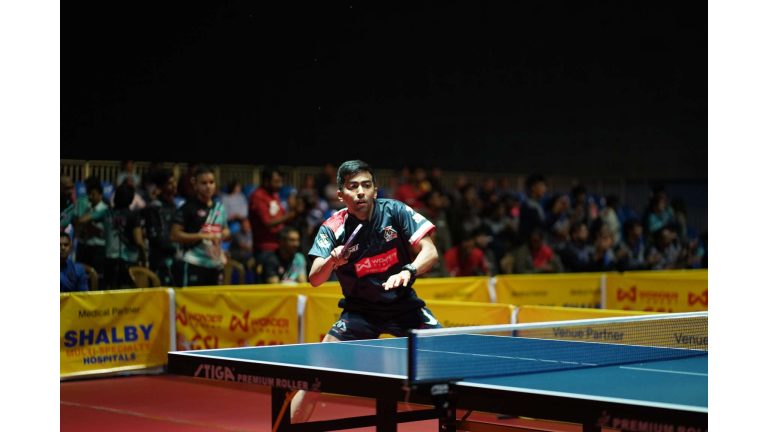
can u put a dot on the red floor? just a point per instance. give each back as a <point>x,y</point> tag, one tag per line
<point>176,404</point>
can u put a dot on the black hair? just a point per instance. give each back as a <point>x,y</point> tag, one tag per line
<point>267,172</point>
<point>350,168</point>
<point>533,179</point>
<point>287,230</point>
<point>124,196</point>
<point>161,177</point>
<point>93,183</point>
<point>231,185</point>
<point>202,169</point>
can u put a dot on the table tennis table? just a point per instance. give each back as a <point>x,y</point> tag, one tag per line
<point>644,394</point>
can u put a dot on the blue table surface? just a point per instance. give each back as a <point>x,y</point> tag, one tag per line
<point>678,383</point>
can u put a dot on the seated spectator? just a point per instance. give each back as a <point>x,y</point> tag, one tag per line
<point>536,256</point>
<point>235,202</point>
<point>286,264</point>
<point>666,252</point>
<point>531,212</point>
<point>267,214</point>
<point>241,245</point>
<point>631,250</point>
<point>72,275</point>
<point>602,257</point>
<point>575,254</point>
<point>465,258</point>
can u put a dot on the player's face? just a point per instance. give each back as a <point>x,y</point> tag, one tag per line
<point>205,186</point>
<point>358,194</point>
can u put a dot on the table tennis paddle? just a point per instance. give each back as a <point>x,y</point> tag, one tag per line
<point>348,243</point>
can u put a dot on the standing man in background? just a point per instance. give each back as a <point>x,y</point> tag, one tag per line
<point>266,214</point>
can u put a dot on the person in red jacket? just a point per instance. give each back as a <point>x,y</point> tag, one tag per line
<point>266,213</point>
<point>466,259</point>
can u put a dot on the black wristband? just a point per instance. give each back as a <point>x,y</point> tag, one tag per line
<point>411,269</point>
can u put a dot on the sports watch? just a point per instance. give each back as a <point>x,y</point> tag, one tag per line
<point>410,268</point>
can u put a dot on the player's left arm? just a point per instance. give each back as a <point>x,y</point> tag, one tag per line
<point>426,257</point>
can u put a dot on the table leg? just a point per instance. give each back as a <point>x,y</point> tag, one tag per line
<point>386,413</point>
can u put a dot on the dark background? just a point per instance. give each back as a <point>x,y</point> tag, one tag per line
<point>600,89</point>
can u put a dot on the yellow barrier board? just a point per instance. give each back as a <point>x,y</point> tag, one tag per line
<point>470,289</point>
<point>322,312</point>
<point>530,314</point>
<point>297,288</point>
<point>572,290</point>
<point>224,318</point>
<point>113,331</point>
<point>662,291</point>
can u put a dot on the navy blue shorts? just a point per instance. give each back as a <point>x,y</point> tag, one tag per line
<point>355,325</point>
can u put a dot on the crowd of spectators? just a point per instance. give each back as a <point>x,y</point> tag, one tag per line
<point>481,229</point>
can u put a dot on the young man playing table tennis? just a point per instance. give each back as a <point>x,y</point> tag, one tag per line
<point>377,247</point>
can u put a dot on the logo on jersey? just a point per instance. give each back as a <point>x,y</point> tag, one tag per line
<point>389,233</point>
<point>323,241</point>
<point>430,319</point>
<point>340,326</point>
<point>376,264</point>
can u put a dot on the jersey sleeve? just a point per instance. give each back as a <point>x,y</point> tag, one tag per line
<point>414,225</point>
<point>325,242</point>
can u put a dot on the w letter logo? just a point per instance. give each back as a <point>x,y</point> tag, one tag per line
<point>630,294</point>
<point>703,298</point>
<point>235,322</point>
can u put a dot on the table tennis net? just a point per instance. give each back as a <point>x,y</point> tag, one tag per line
<point>486,351</point>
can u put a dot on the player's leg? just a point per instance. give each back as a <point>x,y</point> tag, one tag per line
<point>350,326</point>
<point>303,402</point>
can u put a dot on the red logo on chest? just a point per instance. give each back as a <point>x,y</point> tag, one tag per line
<point>376,264</point>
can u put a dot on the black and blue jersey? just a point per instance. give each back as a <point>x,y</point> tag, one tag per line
<point>380,249</point>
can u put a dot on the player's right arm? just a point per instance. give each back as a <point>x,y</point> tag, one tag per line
<point>323,267</point>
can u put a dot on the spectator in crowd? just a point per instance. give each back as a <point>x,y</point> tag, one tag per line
<point>72,275</point>
<point>128,173</point>
<point>631,250</point>
<point>558,222</point>
<point>602,257</point>
<point>435,211</point>
<point>200,226</point>
<point>610,217</point>
<point>501,228</point>
<point>124,238</point>
<point>483,241</point>
<point>666,252</point>
<point>267,214</point>
<point>286,264</point>
<point>465,258</point>
<point>408,191</point>
<point>164,254</point>
<point>67,202</point>
<point>658,214</point>
<point>583,209</point>
<point>186,182</point>
<point>536,256</point>
<point>241,244</point>
<point>235,202</point>
<point>575,255</point>
<point>92,242</point>
<point>532,213</point>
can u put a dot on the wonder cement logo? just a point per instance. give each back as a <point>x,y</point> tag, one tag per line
<point>376,264</point>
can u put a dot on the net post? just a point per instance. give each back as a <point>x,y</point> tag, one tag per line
<point>411,357</point>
